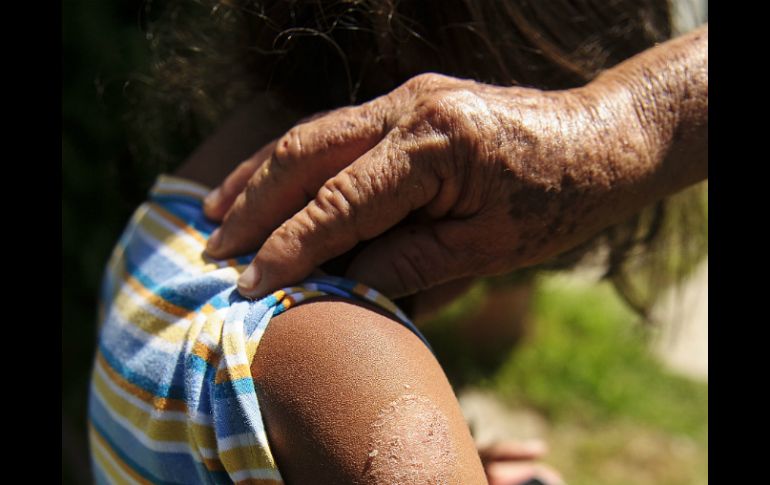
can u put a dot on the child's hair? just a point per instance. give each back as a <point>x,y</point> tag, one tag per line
<point>313,55</point>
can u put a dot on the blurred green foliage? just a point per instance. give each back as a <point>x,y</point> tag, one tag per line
<point>615,414</point>
<point>584,364</point>
<point>588,361</point>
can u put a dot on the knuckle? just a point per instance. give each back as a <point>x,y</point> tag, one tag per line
<point>435,112</point>
<point>326,223</point>
<point>458,124</point>
<point>427,144</point>
<point>288,149</point>
<point>286,237</point>
<point>345,126</point>
<point>343,207</point>
<point>447,107</point>
<point>425,80</point>
<point>336,197</point>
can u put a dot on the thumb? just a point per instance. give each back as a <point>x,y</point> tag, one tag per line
<point>413,258</point>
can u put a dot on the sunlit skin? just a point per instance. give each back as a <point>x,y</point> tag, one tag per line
<point>496,178</point>
<point>492,178</point>
<point>343,452</point>
<point>350,396</point>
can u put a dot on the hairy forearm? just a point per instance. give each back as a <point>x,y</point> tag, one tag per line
<point>584,159</point>
<point>497,178</point>
<point>666,90</point>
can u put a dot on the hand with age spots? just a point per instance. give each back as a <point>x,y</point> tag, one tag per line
<point>448,178</point>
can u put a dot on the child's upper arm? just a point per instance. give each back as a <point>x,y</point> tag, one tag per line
<point>348,395</point>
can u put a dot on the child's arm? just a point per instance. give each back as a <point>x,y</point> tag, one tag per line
<point>348,395</point>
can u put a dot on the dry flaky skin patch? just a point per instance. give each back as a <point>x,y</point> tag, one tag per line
<point>409,444</point>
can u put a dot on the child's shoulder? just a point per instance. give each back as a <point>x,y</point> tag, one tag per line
<point>352,396</point>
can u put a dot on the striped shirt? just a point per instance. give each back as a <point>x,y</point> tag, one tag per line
<point>172,399</point>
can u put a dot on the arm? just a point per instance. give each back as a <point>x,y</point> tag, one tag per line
<point>499,177</point>
<point>350,396</point>
<point>660,96</point>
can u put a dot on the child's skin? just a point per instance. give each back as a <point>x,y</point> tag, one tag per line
<point>348,394</point>
<point>339,382</point>
<point>501,177</point>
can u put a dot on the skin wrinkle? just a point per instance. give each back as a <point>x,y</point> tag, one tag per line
<point>536,176</point>
<point>626,163</point>
<point>320,217</point>
<point>369,182</point>
<point>547,181</point>
<point>609,117</point>
<point>338,194</point>
<point>401,167</point>
<point>645,107</point>
<point>581,160</point>
<point>558,192</point>
<point>560,142</point>
<point>442,241</point>
<point>475,113</point>
<point>460,147</point>
<point>293,235</point>
<point>409,268</point>
<point>449,190</point>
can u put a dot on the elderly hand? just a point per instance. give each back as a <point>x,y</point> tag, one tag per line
<point>451,178</point>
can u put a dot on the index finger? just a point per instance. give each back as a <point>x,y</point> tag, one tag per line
<point>304,158</point>
<point>367,198</point>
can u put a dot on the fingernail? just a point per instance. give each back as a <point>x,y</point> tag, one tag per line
<point>213,198</point>
<point>215,240</point>
<point>247,283</point>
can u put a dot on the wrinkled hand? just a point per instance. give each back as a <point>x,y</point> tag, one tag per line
<point>463,179</point>
<point>459,178</point>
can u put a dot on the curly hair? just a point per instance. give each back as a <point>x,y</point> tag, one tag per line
<point>209,56</point>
